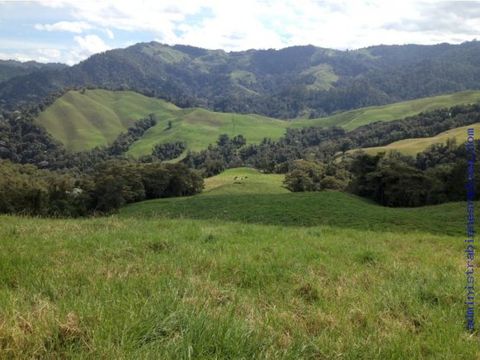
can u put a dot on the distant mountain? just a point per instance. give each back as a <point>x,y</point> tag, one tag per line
<point>12,68</point>
<point>299,81</point>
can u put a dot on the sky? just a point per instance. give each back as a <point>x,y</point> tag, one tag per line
<point>70,31</point>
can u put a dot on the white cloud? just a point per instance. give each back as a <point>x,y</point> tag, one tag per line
<point>86,45</point>
<point>43,55</point>
<point>234,25</point>
<point>91,44</point>
<point>272,23</point>
<point>70,26</point>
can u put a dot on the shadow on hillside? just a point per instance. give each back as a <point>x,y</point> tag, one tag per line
<point>307,209</point>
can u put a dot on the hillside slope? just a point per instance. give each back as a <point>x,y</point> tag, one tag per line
<point>82,121</point>
<point>199,127</point>
<point>246,201</point>
<point>130,287</point>
<point>350,120</point>
<point>12,68</point>
<point>299,81</point>
<point>414,146</point>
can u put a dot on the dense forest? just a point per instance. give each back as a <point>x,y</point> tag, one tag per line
<point>299,81</point>
<point>25,189</point>
<point>11,68</point>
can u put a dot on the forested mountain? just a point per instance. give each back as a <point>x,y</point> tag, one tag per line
<point>292,82</point>
<point>12,68</point>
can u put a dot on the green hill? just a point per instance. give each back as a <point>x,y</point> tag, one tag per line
<point>260,198</point>
<point>350,120</point>
<point>199,127</point>
<point>416,145</point>
<point>96,117</point>
<point>82,121</point>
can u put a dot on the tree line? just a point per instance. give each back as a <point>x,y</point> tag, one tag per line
<point>26,189</point>
<point>325,144</point>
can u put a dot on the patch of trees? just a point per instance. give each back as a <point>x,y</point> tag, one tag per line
<point>216,158</point>
<point>123,141</point>
<point>25,189</point>
<point>396,180</point>
<point>314,176</point>
<point>436,175</point>
<point>166,151</point>
<point>22,141</point>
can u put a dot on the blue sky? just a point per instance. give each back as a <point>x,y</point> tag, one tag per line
<point>70,31</point>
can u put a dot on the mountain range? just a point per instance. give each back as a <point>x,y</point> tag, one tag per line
<point>299,81</point>
<point>12,68</point>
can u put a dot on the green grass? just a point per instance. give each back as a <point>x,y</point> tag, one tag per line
<point>234,274</point>
<point>415,145</point>
<point>261,199</point>
<point>323,75</point>
<point>244,181</point>
<point>198,128</point>
<point>350,120</point>
<point>97,117</point>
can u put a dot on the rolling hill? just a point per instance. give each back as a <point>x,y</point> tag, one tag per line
<point>414,146</point>
<point>199,127</point>
<point>353,119</point>
<point>83,120</point>
<point>247,196</point>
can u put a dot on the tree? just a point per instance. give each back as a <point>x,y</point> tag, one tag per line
<point>305,176</point>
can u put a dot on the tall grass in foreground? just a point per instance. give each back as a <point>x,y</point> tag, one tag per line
<point>132,288</point>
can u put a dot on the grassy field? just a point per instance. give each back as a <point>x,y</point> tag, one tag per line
<point>196,282</point>
<point>350,120</point>
<point>247,196</point>
<point>244,181</point>
<point>96,117</point>
<point>414,146</point>
<point>199,127</point>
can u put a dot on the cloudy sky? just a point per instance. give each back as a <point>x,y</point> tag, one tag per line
<point>69,31</point>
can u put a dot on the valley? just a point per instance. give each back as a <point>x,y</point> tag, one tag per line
<point>286,187</point>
